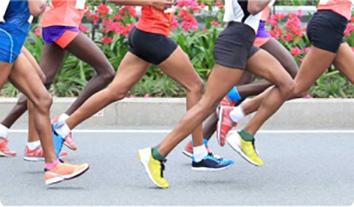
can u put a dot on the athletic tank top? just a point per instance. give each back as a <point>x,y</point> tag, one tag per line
<point>15,14</point>
<point>236,11</point>
<point>64,13</point>
<point>155,21</point>
<point>342,7</point>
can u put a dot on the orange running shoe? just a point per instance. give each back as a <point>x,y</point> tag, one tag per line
<point>64,171</point>
<point>4,149</point>
<point>37,154</point>
<point>224,125</point>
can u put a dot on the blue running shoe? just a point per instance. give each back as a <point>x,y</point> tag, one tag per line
<point>58,141</point>
<point>211,163</point>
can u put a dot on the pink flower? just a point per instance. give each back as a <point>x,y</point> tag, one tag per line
<point>288,37</point>
<point>106,40</point>
<point>276,32</point>
<point>174,23</point>
<point>188,3</point>
<point>93,17</point>
<point>349,29</point>
<point>103,10</point>
<point>127,10</point>
<point>188,21</point>
<point>295,51</point>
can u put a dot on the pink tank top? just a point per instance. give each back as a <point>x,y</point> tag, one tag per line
<point>342,7</point>
<point>64,13</point>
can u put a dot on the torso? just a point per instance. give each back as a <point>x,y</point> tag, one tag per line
<point>155,21</point>
<point>342,7</point>
<point>16,16</point>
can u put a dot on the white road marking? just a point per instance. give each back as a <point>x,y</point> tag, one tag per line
<point>162,131</point>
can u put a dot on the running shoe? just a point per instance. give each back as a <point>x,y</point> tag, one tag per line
<point>211,163</point>
<point>69,141</point>
<point>38,155</point>
<point>224,125</point>
<point>154,168</point>
<point>64,171</point>
<point>58,140</point>
<point>226,101</point>
<point>246,149</point>
<point>4,149</point>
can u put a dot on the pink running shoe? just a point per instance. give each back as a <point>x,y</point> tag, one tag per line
<point>4,149</point>
<point>69,141</point>
<point>188,149</point>
<point>226,101</point>
<point>224,125</point>
<point>37,154</point>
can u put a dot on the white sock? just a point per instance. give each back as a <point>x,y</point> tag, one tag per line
<point>237,114</point>
<point>34,145</point>
<point>199,152</point>
<point>4,131</point>
<point>63,117</point>
<point>63,130</point>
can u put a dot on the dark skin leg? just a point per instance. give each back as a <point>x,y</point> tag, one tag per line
<point>51,60</point>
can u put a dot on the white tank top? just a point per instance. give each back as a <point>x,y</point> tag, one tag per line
<point>236,11</point>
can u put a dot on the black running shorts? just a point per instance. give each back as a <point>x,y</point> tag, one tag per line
<point>235,45</point>
<point>326,30</point>
<point>151,47</point>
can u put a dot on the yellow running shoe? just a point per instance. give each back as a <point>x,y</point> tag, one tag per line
<point>245,148</point>
<point>154,168</point>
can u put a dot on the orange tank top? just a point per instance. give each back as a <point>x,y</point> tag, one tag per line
<point>155,21</point>
<point>64,13</point>
<point>342,7</point>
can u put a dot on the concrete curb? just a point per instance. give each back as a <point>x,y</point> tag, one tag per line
<point>301,114</point>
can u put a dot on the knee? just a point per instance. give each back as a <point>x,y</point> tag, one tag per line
<point>197,87</point>
<point>108,75</point>
<point>298,92</point>
<point>114,94</point>
<point>43,102</point>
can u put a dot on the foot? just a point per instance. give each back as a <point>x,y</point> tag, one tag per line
<point>58,140</point>
<point>4,149</point>
<point>224,125</point>
<point>37,154</point>
<point>64,171</point>
<point>246,149</point>
<point>211,163</point>
<point>69,141</point>
<point>154,168</point>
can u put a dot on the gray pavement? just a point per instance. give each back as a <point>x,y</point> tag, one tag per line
<point>300,169</point>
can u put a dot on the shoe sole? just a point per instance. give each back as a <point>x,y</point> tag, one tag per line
<point>240,152</point>
<point>187,154</point>
<point>69,146</point>
<point>205,169</point>
<point>147,169</point>
<point>60,179</point>
<point>6,155</point>
<point>37,159</point>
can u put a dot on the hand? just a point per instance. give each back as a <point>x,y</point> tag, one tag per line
<point>162,4</point>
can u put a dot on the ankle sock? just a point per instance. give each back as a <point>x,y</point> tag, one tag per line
<point>4,131</point>
<point>63,130</point>
<point>246,136</point>
<point>234,95</point>
<point>156,154</point>
<point>63,117</point>
<point>237,114</point>
<point>33,145</point>
<point>199,152</point>
<point>52,165</point>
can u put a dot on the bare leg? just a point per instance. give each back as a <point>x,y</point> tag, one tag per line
<point>130,71</point>
<point>345,61</point>
<point>220,81</point>
<point>28,82</point>
<point>179,67</point>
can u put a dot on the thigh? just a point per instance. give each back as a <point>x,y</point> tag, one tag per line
<point>344,61</point>
<point>179,67</point>
<point>130,71</point>
<point>5,69</point>
<point>86,50</point>
<point>51,60</point>
<point>266,66</point>
<point>25,78</point>
<point>34,63</point>
<point>315,63</point>
<point>278,51</point>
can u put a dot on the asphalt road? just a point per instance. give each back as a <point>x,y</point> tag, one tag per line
<point>300,169</point>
